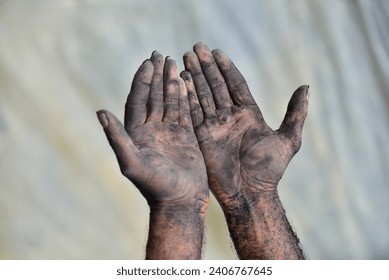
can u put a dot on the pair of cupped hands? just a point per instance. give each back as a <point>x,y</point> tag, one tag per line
<point>199,130</point>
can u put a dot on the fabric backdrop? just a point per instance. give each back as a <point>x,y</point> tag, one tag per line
<point>61,192</point>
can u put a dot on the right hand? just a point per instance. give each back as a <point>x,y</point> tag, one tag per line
<point>243,155</point>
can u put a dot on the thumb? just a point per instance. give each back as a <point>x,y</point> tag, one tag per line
<point>292,125</point>
<point>124,148</point>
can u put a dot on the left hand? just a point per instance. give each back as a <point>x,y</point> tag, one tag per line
<point>156,148</point>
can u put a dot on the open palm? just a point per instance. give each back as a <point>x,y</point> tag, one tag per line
<point>240,150</point>
<point>157,148</point>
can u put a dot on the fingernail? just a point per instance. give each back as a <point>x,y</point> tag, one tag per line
<point>307,86</point>
<point>102,118</point>
<point>153,53</point>
<point>169,58</point>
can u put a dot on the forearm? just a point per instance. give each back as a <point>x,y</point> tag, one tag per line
<point>175,232</point>
<point>259,227</point>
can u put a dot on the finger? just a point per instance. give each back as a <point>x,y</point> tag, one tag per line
<point>213,76</point>
<point>135,110</point>
<point>171,91</point>
<point>203,91</point>
<point>155,102</point>
<point>125,150</point>
<point>185,121</point>
<point>194,105</point>
<point>236,83</point>
<point>292,125</point>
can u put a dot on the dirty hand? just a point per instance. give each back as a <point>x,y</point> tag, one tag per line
<point>243,155</point>
<point>157,148</point>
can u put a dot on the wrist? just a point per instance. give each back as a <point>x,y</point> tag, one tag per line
<point>176,230</point>
<point>258,183</point>
<point>192,207</point>
<point>250,198</point>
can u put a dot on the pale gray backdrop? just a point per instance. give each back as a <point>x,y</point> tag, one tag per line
<point>61,193</point>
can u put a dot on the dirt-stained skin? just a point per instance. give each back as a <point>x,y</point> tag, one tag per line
<point>158,151</point>
<point>245,158</point>
<point>177,131</point>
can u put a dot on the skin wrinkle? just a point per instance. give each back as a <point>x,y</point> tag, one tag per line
<point>217,85</point>
<point>155,98</point>
<point>255,183</point>
<point>280,154</point>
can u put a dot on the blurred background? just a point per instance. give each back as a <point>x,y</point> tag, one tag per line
<point>61,192</point>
